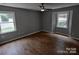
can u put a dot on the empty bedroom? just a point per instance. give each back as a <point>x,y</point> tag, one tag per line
<point>39,28</point>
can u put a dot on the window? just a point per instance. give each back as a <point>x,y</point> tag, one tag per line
<point>62,19</point>
<point>7,23</point>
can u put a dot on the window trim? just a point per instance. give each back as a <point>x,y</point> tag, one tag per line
<point>13,13</point>
<point>62,12</point>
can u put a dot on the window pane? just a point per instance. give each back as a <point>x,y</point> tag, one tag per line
<point>6,22</point>
<point>62,20</point>
<point>4,17</point>
<point>7,27</point>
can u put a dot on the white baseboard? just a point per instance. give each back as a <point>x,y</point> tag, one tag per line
<point>19,37</point>
<point>28,35</point>
<point>65,35</point>
<point>47,31</point>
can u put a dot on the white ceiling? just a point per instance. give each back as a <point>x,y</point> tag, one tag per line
<point>35,6</point>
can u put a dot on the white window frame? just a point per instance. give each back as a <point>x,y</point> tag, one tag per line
<point>62,12</point>
<point>13,13</point>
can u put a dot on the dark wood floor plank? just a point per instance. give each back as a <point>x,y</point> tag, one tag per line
<point>42,43</point>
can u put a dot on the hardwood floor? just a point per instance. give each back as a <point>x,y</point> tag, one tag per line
<point>41,43</point>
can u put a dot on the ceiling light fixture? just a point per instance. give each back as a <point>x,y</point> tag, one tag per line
<point>42,7</point>
<point>42,10</point>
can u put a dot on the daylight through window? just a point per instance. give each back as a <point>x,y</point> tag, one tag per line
<point>7,23</point>
<point>62,20</point>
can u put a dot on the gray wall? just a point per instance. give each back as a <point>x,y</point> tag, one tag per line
<point>48,19</point>
<point>27,21</point>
